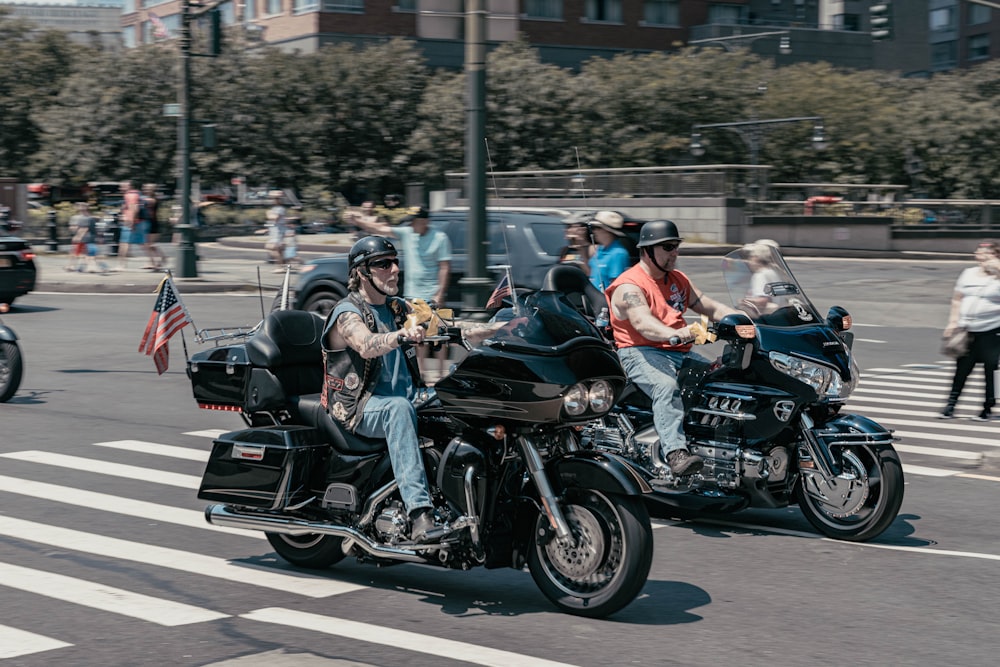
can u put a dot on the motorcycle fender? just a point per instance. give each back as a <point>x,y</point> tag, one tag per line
<point>7,334</point>
<point>848,429</point>
<point>600,471</point>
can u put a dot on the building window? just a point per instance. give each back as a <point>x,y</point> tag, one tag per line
<point>128,36</point>
<point>979,47</point>
<point>605,11</point>
<point>303,6</point>
<point>726,14</point>
<point>942,19</point>
<point>272,7</point>
<point>979,14</point>
<point>406,5</point>
<point>850,22</point>
<point>543,9</point>
<point>344,6</point>
<point>661,12</point>
<point>944,55</point>
<point>250,10</point>
<point>128,7</point>
<point>153,3</point>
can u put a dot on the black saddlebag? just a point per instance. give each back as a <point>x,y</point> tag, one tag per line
<point>268,467</point>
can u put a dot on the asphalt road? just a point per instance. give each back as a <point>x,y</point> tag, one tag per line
<point>106,560</point>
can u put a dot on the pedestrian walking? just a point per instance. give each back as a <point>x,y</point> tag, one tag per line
<point>975,310</point>
<point>128,234</point>
<point>276,225</point>
<point>148,220</point>
<point>85,253</point>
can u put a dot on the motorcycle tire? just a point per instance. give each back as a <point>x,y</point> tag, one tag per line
<point>311,551</point>
<point>882,475</point>
<point>608,563</point>
<point>11,370</point>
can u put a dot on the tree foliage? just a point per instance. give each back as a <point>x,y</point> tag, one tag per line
<point>367,120</point>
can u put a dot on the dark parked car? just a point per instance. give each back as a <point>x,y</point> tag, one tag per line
<point>530,242</point>
<point>17,268</point>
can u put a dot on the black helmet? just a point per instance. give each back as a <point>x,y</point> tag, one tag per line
<point>655,232</point>
<point>369,248</point>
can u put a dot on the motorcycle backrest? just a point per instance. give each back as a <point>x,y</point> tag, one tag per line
<point>289,345</point>
<point>573,282</point>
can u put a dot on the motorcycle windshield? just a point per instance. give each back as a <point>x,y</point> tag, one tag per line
<point>761,285</point>
<point>544,321</point>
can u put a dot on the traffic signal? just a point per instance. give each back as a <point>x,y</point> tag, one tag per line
<point>214,32</point>
<point>880,16</point>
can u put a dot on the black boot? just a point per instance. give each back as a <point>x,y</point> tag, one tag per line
<point>682,462</point>
<point>948,412</point>
<point>425,527</point>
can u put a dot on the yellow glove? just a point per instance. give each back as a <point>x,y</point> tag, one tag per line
<point>701,333</point>
<point>422,312</point>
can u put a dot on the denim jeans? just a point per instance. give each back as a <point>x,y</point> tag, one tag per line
<point>394,419</point>
<point>654,371</point>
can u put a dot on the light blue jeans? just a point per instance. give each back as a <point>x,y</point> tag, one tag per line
<point>394,419</point>
<point>654,371</point>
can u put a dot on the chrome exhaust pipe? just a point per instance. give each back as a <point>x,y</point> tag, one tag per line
<point>221,515</point>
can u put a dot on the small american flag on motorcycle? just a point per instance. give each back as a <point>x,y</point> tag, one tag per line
<point>502,290</point>
<point>169,316</point>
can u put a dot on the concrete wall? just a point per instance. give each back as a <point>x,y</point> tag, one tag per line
<point>821,231</point>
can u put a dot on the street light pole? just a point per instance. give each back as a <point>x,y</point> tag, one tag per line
<point>187,266</point>
<point>752,133</point>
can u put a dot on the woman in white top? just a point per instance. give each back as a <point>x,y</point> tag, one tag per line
<point>975,306</point>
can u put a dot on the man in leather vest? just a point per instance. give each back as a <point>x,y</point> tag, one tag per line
<point>371,373</point>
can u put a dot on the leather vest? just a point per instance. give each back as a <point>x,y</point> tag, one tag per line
<point>348,378</point>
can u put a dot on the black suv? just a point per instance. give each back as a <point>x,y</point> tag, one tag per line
<point>529,242</point>
<point>17,267</point>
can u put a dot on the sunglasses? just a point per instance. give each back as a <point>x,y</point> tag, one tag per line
<point>382,264</point>
<point>670,247</point>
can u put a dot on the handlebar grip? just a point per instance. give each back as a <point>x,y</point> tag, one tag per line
<point>674,340</point>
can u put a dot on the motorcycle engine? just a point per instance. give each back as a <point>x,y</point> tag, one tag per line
<point>391,524</point>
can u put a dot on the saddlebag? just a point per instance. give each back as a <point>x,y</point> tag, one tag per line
<point>267,467</point>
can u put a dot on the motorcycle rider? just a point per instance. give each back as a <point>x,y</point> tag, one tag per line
<point>371,372</point>
<point>648,302</point>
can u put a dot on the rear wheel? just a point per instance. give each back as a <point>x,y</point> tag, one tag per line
<point>862,501</point>
<point>605,563</point>
<point>11,369</point>
<point>312,551</point>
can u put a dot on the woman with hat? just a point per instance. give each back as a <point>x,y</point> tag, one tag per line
<point>611,257</point>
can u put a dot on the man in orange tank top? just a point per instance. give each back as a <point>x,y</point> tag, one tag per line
<point>647,317</point>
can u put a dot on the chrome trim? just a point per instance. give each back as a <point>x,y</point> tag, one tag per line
<point>739,416</point>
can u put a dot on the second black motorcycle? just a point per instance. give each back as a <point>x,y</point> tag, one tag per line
<point>767,416</point>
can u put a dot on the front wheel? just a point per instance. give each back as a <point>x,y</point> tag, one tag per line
<point>860,502</point>
<point>11,369</point>
<point>605,563</point>
<point>312,550</point>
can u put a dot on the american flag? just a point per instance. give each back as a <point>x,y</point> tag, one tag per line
<point>502,290</point>
<point>169,316</point>
<point>160,29</point>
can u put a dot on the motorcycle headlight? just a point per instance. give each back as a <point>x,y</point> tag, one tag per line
<point>824,380</point>
<point>600,396</point>
<point>575,400</point>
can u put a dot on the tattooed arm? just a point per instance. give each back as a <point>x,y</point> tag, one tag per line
<point>351,331</point>
<point>629,303</point>
<point>477,332</point>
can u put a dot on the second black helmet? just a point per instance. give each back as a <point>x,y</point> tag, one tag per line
<point>656,232</point>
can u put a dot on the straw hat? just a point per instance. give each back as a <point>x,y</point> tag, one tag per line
<point>611,221</point>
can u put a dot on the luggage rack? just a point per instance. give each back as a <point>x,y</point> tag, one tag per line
<point>220,334</point>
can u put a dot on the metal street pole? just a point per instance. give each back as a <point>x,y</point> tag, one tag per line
<point>187,266</point>
<point>476,283</point>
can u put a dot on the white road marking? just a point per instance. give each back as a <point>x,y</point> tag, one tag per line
<point>411,641</point>
<point>210,433</point>
<point>106,598</point>
<point>249,574</point>
<point>911,371</point>
<point>15,643</point>
<point>107,468</point>
<point>928,472</point>
<point>938,437</point>
<point>936,451</point>
<point>870,340</point>
<point>104,502</point>
<point>157,449</point>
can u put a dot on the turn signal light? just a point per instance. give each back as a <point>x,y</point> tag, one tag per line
<point>746,331</point>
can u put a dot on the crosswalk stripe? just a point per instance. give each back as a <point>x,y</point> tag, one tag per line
<point>107,468</point>
<point>941,387</point>
<point>106,598</point>
<point>297,582</point>
<point>209,433</point>
<point>387,636</point>
<point>14,643</point>
<point>934,451</point>
<point>928,472</point>
<point>108,503</point>
<point>861,393</point>
<point>934,372</point>
<point>156,448</point>
<point>939,437</point>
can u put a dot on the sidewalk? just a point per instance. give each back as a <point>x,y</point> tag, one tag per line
<point>214,274</point>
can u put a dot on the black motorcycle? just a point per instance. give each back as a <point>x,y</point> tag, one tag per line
<point>767,415</point>
<point>509,478</point>
<point>11,362</point>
